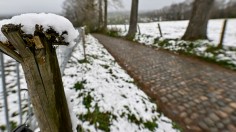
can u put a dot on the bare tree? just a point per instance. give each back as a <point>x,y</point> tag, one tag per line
<point>197,28</point>
<point>82,13</point>
<point>104,11</point>
<point>105,14</point>
<point>90,13</point>
<point>100,17</point>
<point>133,19</point>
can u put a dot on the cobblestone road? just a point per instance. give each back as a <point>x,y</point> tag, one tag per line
<point>198,95</point>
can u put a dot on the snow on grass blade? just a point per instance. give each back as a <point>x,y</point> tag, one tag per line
<point>105,98</point>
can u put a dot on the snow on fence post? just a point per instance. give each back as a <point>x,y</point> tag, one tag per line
<point>159,27</point>
<point>220,45</point>
<point>39,61</point>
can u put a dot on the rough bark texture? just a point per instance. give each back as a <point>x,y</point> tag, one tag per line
<point>43,79</point>
<point>133,19</point>
<point>100,17</point>
<point>105,14</point>
<point>197,28</point>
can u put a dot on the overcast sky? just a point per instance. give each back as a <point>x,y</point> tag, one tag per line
<point>55,6</point>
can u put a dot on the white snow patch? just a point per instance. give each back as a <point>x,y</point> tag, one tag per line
<point>47,20</point>
<point>176,29</point>
<point>112,91</point>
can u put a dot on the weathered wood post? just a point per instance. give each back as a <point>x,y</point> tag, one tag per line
<point>159,27</point>
<point>220,45</point>
<point>125,27</point>
<point>83,43</point>
<point>37,55</point>
<point>139,31</point>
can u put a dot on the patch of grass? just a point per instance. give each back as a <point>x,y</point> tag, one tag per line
<point>114,32</point>
<point>87,101</point>
<point>129,81</point>
<point>3,128</point>
<point>83,61</point>
<point>105,66</point>
<point>163,43</point>
<point>224,63</point>
<point>13,124</point>
<point>79,128</point>
<point>14,114</point>
<point>210,54</point>
<point>110,71</point>
<point>124,96</point>
<point>132,118</point>
<point>212,49</point>
<point>101,120</point>
<point>93,56</point>
<point>80,85</point>
<point>150,125</point>
<point>177,127</point>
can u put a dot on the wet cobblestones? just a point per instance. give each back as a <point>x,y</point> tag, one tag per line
<point>198,95</point>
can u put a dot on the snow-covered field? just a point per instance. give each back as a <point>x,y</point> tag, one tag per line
<point>176,29</point>
<point>173,31</point>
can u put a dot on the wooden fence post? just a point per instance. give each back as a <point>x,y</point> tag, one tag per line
<point>125,28</point>
<point>159,27</point>
<point>139,31</point>
<point>83,43</point>
<point>43,77</point>
<point>222,34</point>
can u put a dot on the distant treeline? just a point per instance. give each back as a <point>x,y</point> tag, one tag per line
<point>182,11</point>
<point>5,17</point>
<point>178,11</point>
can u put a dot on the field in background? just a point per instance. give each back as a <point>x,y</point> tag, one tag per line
<point>176,29</point>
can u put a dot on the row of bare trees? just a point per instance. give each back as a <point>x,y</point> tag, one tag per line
<point>182,11</point>
<point>89,13</point>
<point>197,28</point>
<point>93,14</point>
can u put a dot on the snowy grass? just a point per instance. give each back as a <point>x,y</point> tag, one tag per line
<point>225,56</point>
<point>174,30</point>
<point>105,98</point>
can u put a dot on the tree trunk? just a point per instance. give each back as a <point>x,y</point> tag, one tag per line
<point>133,19</point>
<point>100,19</point>
<point>105,15</point>
<point>43,78</point>
<point>197,28</point>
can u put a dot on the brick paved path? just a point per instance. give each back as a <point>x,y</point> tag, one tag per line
<point>198,95</point>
